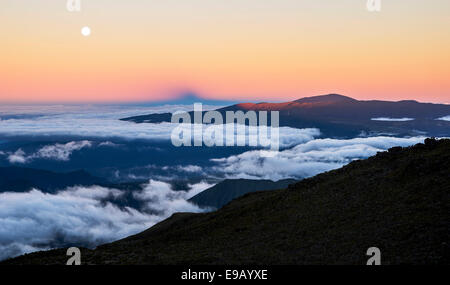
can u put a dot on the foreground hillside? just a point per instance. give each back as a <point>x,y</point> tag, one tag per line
<point>397,201</point>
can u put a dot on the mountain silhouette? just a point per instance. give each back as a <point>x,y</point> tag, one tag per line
<point>340,116</point>
<point>330,98</point>
<point>20,179</point>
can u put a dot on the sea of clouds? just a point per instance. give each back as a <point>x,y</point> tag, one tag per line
<point>306,159</point>
<point>88,216</point>
<point>85,216</point>
<point>60,152</point>
<point>91,122</point>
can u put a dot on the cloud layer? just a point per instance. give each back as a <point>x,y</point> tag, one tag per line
<point>88,216</point>
<point>105,123</point>
<point>446,118</point>
<point>83,120</point>
<point>384,119</point>
<point>60,152</point>
<point>307,159</point>
<point>84,216</point>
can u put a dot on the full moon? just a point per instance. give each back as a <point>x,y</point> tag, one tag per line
<point>86,31</point>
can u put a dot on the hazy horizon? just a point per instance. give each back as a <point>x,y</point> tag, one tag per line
<point>171,100</point>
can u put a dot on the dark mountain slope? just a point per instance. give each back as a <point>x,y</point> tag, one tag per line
<point>227,190</point>
<point>19,179</point>
<point>341,116</point>
<point>397,201</point>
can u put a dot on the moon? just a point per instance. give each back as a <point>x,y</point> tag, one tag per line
<point>86,31</point>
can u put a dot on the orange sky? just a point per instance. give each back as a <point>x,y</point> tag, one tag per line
<point>227,49</point>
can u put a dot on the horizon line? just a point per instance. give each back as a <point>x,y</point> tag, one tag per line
<point>173,100</point>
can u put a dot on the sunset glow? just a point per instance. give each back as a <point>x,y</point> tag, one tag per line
<point>226,49</point>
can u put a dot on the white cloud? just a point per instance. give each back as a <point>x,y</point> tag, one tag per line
<point>85,121</point>
<point>108,144</point>
<point>286,136</point>
<point>446,118</point>
<point>197,188</point>
<point>384,119</point>
<point>93,192</point>
<point>103,122</point>
<point>37,221</point>
<point>161,198</point>
<point>85,111</point>
<point>61,151</point>
<point>307,159</point>
<point>57,151</point>
<point>17,157</point>
<point>190,168</point>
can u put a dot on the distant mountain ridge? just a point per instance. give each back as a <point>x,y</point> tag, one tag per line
<point>398,201</point>
<point>230,189</point>
<point>340,116</point>
<point>20,179</point>
<point>330,98</point>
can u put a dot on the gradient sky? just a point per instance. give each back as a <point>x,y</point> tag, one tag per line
<point>228,49</point>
